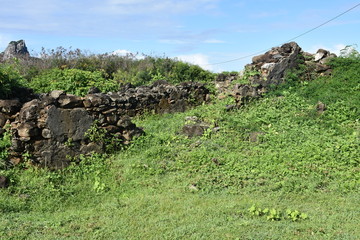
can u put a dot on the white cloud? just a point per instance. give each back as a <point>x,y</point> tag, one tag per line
<point>127,53</point>
<point>197,59</point>
<point>130,19</point>
<point>121,52</point>
<point>333,49</point>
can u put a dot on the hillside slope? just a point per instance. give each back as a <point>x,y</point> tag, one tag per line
<point>285,166</point>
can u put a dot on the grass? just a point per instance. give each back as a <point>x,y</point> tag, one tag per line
<point>176,214</point>
<point>167,186</point>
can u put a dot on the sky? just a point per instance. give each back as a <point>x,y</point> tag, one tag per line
<point>203,32</point>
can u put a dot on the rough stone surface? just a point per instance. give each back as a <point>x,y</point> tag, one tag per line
<point>10,106</point>
<point>56,94</point>
<point>4,181</point>
<point>52,126</point>
<point>269,69</point>
<point>63,123</point>
<point>16,49</point>
<point>193,130</point>
<point>273,64</point>
<point>2,120</point>
<point>320,107</point>
<point>321,54</point>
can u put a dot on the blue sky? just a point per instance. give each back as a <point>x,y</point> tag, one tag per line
<point>199,31</point>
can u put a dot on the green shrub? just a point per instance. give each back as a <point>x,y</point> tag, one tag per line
<point>150,69</point>
<point>5,142</point>
<point>9,79</point>
<point>73,81</point>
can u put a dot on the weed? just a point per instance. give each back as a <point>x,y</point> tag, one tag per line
<point>276,214</point>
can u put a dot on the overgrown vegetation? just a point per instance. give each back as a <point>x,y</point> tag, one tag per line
<point>10,78</point>
<point>76,71</point>
<point>298,179</point>
<point>5,143</point>
<point>73,81</point>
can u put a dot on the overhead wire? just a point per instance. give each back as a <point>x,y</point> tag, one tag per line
<point>291,39</point>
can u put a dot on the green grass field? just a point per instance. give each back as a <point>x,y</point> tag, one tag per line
<point>299,180</point>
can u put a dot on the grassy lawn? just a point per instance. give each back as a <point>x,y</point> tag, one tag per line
<point>178,214</point>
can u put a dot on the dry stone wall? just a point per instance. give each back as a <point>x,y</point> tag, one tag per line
<point>270,69</point>
<point>51,128</point>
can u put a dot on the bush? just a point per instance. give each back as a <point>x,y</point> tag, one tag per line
<point>9,79</point>
<point>73,81</point>
<point>44,73</point>
<point>151,69</point>
<point>5,143</point>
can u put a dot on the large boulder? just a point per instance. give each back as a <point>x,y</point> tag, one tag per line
<point>63,124</point>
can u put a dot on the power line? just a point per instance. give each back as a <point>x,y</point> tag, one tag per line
<point>292,39</point>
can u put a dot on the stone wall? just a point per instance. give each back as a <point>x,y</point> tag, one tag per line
<point>51,127</point>
<point>270,69</point>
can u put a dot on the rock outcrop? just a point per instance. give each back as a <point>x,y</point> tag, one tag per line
<point>269,69</point>
<point>16,49</point>
<point>273,64</point>
<point>52,128</point>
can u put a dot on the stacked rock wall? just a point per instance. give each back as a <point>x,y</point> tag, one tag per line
<point>51,128</point>
<point>270,69</point>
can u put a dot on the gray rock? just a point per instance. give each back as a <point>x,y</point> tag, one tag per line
<point>321,54</point>
<point>27,130</point>
<point>274,63</point>
<point>56,94</point>
<point>93,90</point>
<point>97,99</point>
<point>68,123</point>
<point>4,181</point>
<point>29,111</point>
<point>55,155</point>
<point>17,145</point>
<point>16,49</point>
<point>92,148</point>
<point>125,122</point>
<point>46,133</point>
<point>70,101</point>
<point>320,107</point>
<point>10,106</point>
<point>2,120</point>
<point>194,130</point>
